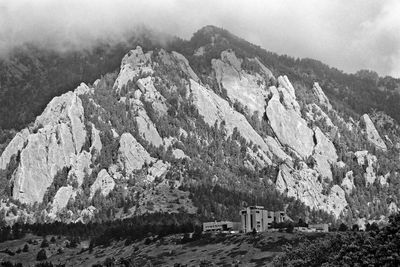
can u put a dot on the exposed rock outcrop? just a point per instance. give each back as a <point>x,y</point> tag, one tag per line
<point>151,95</point>
<point>132,65</point>
<point>317,90</point>
<point>13,148</point>
<point>131,155</point>
<point>58,136</point>
<point>286,121</point>
<point>96,141</point>
<point>303,184</point>
<point>147,128</point>
<point>348,182</point>
<point>316,114</point>
<point>275,148</point>
<point>80,167</point>
<point>247,89</point>
<point>61,198</point>
<point>213,108</point>
<point>179,154</point>
<point>372,134</point>
<point>103,182</point>
<point>324,154</point>
<point>393,209</point>
<point>157,170</point>
<point>368,161</point>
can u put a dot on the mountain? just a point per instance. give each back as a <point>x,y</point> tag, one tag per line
<point>200,127</point>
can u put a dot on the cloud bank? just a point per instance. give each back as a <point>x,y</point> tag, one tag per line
<point>349,35</point>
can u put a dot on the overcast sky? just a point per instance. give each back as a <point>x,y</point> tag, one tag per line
<point>347,34</point>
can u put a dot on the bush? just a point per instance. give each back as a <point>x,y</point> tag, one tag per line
<point>42,255</point>
<point>45,243</point>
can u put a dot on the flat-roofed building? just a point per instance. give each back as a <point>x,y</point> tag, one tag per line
<point>218,226</point>
<point>321,227</point>
<point>256,217</point>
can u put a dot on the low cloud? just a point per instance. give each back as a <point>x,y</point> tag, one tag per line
<point>349,35</point>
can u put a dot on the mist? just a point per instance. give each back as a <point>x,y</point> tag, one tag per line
<point>349,35</point>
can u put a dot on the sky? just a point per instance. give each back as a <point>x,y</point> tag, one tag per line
<point>346,34</point>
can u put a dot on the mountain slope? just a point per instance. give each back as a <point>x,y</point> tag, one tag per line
<point>159,136</point>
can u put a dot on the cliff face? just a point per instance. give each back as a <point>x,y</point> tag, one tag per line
<point>158,125</point>
<point>54,142</point>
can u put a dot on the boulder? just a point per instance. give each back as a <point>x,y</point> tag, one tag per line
<point>179,154</point>
<point>372,134</point>
<point>131,155</point>
<point>103,182</point>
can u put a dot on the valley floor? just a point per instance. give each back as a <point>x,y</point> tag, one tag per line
<point>209,250</point>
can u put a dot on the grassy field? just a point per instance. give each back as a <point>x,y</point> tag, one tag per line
<point>209,250</point>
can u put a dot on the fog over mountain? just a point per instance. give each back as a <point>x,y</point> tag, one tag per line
<point>347,35</point>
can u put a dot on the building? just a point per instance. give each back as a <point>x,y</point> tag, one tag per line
<point>322,227</point>
<point>256,217</point>
<point>218,226</point>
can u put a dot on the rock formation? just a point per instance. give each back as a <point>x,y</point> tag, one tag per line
<point>317,90</point>
<point>103,182</point>
<point>13,148</point>
<point>60,201</point>
<point>324,154</point>
<point>303,184</point>
<point>285,119</point>
<point>372,134</point>
<point>213,108</point>
<point>55,141</point>
<point>248,89</point>
<point>132,156</point>
<point>364,158</point>
<point>348,182</point>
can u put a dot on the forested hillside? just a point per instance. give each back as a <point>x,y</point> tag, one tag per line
<point>200,127</point>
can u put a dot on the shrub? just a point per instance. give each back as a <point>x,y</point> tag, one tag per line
<point>45,243</point>
<point>42,255</point>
